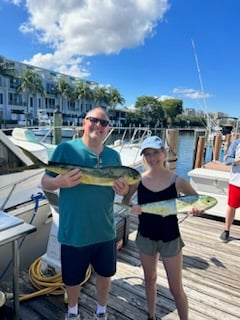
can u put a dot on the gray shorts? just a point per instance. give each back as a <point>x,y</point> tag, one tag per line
<point>152,247</point>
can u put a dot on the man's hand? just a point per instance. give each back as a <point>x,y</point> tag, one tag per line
<point>69,179</point>
<point>121,187</point>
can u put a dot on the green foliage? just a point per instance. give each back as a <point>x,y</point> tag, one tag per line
<point>150,110</point>
<point>84,92</point>
<point>101,96</point>
<point>31,83</point>
<point>7,68</point>
<point>172,108</point>
<point>115,98</point>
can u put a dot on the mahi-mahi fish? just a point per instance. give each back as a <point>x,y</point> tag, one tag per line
<point>173,206</point>
<point>103,176</point>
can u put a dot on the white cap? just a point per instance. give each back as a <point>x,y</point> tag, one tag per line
<point>153,142</point>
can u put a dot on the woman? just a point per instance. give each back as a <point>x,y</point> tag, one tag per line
<point>158,236</point>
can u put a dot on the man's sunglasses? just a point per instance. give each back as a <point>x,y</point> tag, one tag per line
<point>104,123</point>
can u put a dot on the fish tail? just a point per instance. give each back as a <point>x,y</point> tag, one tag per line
<point>37,163</point>
<point>122,205</point>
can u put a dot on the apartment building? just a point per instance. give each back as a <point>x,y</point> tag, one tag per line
<point>20,107</point>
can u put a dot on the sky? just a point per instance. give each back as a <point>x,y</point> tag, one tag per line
<point>183,49</point>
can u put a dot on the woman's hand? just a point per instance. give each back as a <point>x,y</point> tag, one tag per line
<point>195,211</point>
<point>136,209</point>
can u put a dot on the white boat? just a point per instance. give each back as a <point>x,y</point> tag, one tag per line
<point>223,126</point>
<point>42,132</point>
<point>212,179</point>
<point>45,128</point>
<point>26,139</point>
<point>128,146</point>
<point>21,196</point>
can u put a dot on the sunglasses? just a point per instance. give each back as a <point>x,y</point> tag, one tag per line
<point>104,123</point>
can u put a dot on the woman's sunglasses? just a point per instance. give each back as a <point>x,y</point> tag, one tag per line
<point>104,123</point>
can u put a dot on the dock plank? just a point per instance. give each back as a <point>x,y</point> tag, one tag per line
<point>211,279</point>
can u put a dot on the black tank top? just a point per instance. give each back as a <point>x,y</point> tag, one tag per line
<point>154,226</point>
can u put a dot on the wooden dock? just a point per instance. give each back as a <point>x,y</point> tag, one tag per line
<point>211,279</point>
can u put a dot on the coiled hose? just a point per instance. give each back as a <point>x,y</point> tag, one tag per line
<point>47,284</point>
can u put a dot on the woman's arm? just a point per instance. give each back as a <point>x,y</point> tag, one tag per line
<point>128,197</point>
<point>184,187</point>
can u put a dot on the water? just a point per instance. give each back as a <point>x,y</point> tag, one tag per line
<point>185,154</point>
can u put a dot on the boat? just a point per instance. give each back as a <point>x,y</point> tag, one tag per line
<point>222,127</point>
<point>46,127</point>
<point>125,140</point>
<point>21,196</point>
<point>211,176</point>
<point>27,139</point>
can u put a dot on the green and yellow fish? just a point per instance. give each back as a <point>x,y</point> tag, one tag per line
<point>104,176</point>
<point>177,205</point>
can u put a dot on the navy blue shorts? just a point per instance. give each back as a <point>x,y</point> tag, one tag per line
<point>75,261</point>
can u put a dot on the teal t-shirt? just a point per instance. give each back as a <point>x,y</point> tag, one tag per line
<point>85,211</point>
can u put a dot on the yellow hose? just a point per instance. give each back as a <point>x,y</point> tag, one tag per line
<point>47,284</point>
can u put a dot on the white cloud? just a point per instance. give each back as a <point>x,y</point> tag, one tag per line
<point>74,29</point>
<point>190,93</point>
<point>164,97</point>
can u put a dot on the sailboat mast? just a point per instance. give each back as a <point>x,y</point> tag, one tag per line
<point>201,86</point>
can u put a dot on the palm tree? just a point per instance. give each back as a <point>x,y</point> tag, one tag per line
<point>7,68</point>
<point>31,84</point>
<point>85,93</point>
<point>115,98</point>
<point>64,90</point>
<point>102,96</point>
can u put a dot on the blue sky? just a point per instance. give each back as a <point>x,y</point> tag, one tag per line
<point>141,47</point>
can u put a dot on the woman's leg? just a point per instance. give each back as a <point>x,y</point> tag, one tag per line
<point>173,267</point>
<point>149,264</point>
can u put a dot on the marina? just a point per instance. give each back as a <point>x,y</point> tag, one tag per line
<point>59,61</point>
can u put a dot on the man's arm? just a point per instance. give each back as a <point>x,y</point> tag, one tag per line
<point>67,180</point>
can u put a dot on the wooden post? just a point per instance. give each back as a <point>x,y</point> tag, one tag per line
<point>171,145</point>
<point>217,147</point>
<point>198,155</point>
<point>57,127</point>
<point>198,133</point>
<point>227,143</point>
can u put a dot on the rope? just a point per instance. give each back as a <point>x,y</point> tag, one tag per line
<point>47,284</point>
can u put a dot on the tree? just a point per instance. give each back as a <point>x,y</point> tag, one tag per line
<point>150,110</point>
<point>101,96</point>
<point>64,90</point>
<point>30,84</point>
<point>7,68</point>
<point>172,107</point>
<point>115,98</point>
<point>84,92</point>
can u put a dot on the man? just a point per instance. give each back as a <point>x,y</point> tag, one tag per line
<point>86,220</point>
<point>233,159</point>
